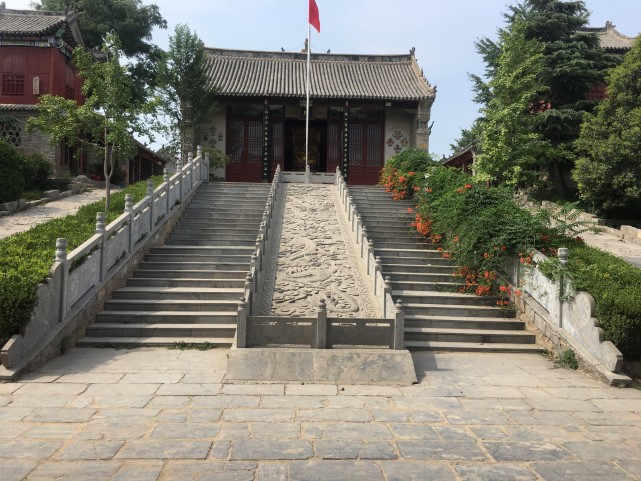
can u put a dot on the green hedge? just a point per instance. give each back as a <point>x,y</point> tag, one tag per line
<point>27,257</point>
<point>616,288</point>
<point>482,229</point>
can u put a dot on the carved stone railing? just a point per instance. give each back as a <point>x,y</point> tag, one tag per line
<point>321,332</point>
<point>381,287</point>
<point>251,300</point>
<point>566,319</point>
<point>77,275</point>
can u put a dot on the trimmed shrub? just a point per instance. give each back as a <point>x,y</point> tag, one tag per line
<point>616,288</point>
<point>12,183</point>
<point>26,258</point>
<point>36,170</point>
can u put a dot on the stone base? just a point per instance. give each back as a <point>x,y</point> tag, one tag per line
<point>322,366</point>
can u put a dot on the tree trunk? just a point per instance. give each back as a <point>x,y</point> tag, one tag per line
<point>557,176</point>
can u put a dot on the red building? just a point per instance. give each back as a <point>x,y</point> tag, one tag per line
<point>36,49</point>
<point>364,110</point>
<point>35,59</point>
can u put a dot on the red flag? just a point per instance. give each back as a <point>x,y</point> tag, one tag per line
<point>314,16</point>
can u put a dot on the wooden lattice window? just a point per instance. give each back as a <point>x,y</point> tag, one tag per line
<point>13,84</point>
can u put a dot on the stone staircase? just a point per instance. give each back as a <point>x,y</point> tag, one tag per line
<point>436,317</point>
<point>188,289</point>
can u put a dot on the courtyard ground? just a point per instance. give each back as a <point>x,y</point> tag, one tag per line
<point>160,414</point>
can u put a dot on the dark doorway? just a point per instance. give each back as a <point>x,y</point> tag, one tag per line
<point>294,137</point>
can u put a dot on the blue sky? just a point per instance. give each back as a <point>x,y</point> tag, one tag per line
<point>443,33</point>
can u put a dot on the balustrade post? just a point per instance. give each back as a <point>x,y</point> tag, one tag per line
<point>129,210</point>
<point>321,325</point>
<point>101,230</point>
<point>358,227</point>
<point>564,255</point>
<point>150,195</point>
<point>363,241</point>
<point>248,292</point>
<point>190,163</point>
<point>179,170</point>
<point>165,181</point>
<point>399,326</point>
<point>387,290</point>
<point>377,271</point>
<point>241,324</point>
<point>205,169</point>
<point>61,256</point>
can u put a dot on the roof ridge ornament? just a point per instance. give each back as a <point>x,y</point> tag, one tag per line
<point>412,50</point>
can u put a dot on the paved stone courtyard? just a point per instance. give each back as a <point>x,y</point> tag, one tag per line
<point>160,414</point>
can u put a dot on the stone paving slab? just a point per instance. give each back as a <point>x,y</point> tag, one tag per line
<point>533,422</point>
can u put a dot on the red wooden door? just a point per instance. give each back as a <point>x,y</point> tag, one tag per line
<point>245,147</point>
<point>365,152</point>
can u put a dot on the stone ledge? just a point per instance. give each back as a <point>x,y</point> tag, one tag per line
<point>321,366</point>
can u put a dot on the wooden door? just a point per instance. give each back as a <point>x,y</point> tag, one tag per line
<point>366,156</point>
<point>245,148</point>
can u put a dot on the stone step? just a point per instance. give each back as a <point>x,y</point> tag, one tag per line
<point>423,297</point>
<point>481,336</point>
<point>194,266</point>
<point>214,230</point>
<point>178,293</point>
<point>437,276</point>
<point>152,305</point>
<point>211,242</point>
<point>433,286</point>
<point>454,310</point>
<point>185,282</point>
<point>169,317</point>
<point>195,240</point>
<point>422,253</point>
<point>199,250</point>
<point>399,225</point>
<point>471,347</point>
<point>400,244</point>
<point>191,274</point>
<point>429,259</point>
<point>130,342</point>
<point>451,322</point>
<point>424,268</point>
<point>233,217</point>
<point>161,330</point>
<point>239,258</point>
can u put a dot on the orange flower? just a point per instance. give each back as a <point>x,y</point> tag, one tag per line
<point>518,292</point>
<point>468,186</point>
<point>502,288</point>
<point>410,210</point>
<point>410,174</point>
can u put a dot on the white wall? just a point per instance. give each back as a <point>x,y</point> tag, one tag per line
<point>398,124</point>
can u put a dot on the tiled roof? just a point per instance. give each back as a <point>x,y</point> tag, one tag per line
<point>37,23</point>
<point>610,38</point>
<point>18,107</point>
<point>283,74</point>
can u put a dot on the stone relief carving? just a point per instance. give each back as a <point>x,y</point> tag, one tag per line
<point>314,259</point>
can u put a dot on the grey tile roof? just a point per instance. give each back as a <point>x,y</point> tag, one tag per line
<point>18,107</point>
<point>283,74</point>
<point>610,38</point>
<point>36,23</point>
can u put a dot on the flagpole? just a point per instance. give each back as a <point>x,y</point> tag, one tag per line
<point>309,34</point>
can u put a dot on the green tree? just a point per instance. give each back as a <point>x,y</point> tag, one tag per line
<point>130,20</point>
<point>106,121</point>
<point>188,96</point>
<point>510,147</point>
<point>609,169</point>
<point>572,62</point>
